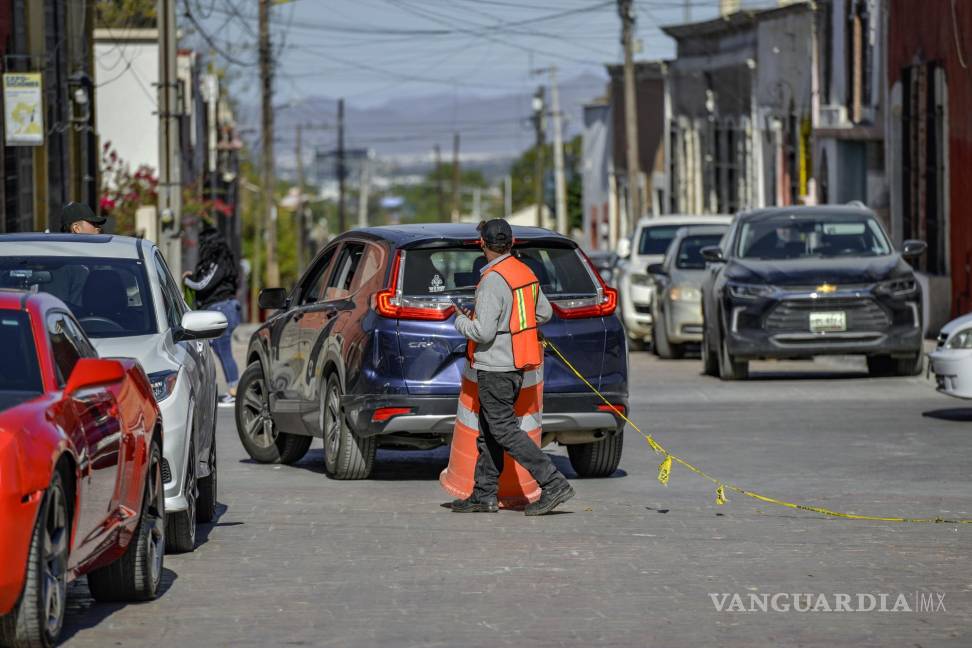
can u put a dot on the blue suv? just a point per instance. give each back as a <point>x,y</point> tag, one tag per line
<point>363,351</point>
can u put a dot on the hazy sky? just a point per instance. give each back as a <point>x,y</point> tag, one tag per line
<point>370,51</point>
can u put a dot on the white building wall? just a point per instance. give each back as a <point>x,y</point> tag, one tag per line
<point>126,73</point>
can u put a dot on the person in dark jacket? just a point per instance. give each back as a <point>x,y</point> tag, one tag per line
<point>215,281</point>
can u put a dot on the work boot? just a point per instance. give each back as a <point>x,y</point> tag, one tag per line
<point>475,505</point>
<point>550,498</point>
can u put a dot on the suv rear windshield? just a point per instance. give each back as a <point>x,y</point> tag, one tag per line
<point>20,378</point>
<point>444,272</point>
<point>655,239</point>
<point>109,297</point>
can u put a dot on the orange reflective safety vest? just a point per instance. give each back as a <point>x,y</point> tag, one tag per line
<point>527,352</point>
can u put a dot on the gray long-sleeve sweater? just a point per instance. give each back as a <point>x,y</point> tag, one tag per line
<point>490,329</point>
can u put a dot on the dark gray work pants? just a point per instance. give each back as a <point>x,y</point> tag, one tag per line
<point>499,430</point>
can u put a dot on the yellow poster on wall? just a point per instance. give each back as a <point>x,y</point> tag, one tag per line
<point>23,109</point>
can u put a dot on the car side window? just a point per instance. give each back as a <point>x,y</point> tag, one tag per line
<point>171,305</point>
<point>339,287</point>
<point>368,267</point>
<point>63,347</point>
<point>312,288</point>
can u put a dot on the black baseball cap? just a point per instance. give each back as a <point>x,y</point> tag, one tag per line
<point>75,211</point>
<point>496,233</point>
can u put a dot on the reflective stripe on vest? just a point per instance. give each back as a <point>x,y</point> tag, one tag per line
<point>527,352</point>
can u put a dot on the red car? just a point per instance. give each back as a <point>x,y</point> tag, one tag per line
<point>80,471</point>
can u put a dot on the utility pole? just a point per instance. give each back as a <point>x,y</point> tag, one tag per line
<point>560,182</point>
<point>626,11</point>
<point>301,207</point>
<point>341,170</point>
<point>167,232</point>
<point>439,184</point>
<point>455,178</point>
<point>266,87</point>
<point>538,128</point>
<point>507,195</point>
<point>363,193</point>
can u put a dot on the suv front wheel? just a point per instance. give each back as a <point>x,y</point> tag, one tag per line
<point>259,434</point>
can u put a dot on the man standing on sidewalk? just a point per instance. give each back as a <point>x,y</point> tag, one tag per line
<point>503,341</point>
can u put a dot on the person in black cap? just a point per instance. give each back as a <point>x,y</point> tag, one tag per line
<point>503,346</point>
<point>77,218</point>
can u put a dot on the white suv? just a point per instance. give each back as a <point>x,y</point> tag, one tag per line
<point>125,299</point>
<point>648,245</point>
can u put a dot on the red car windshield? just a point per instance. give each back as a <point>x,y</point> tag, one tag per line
<point>20,378</point>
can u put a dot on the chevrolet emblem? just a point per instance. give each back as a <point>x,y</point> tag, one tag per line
<point>826,288</point>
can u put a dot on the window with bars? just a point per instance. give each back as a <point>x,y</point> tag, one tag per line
<point>923,133</point>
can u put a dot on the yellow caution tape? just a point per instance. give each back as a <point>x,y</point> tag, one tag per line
<point>664,470</point>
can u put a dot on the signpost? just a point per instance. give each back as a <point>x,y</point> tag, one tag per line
<point>23,109</point>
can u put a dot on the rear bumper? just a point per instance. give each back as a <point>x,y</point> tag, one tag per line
<point>435,415</point>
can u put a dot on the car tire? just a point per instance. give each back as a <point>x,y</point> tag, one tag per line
<point>597,459</point>
<point>710,361</point>
<point>37,618</point>
<point>137,574</point>
<point>729,367</point>
<point>346,455</point>
<point>180,526</point>
<point>293,447</point>
<point>259,433</point>
<point>885,365</point>
<point>912,366</point>
<point>659,340</point>
<point>206,506</point>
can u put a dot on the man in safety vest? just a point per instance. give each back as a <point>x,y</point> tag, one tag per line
<point>504,341</point>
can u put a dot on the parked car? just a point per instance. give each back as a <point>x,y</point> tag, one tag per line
<point>648,245</point>
<point>677,308</point>
<point>363,351</point>
<point>127,302</point>
<point>951,361</point>
<point>80,471</point>
<point>797,282</point>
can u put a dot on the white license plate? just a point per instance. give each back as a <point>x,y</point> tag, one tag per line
<point>828,322</point>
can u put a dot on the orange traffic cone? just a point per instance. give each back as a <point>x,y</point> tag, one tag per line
<point>517,488</point>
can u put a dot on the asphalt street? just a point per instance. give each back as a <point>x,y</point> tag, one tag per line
<point>296,558</point>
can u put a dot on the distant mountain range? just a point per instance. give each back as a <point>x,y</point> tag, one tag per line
<point>406,130</point>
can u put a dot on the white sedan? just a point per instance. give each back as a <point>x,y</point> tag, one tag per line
<point>126,300</point>
<point>951,362</point>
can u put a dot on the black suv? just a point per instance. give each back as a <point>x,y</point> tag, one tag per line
<point>796,282</point>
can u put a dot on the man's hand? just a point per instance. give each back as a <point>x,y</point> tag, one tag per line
<point>461,309</point>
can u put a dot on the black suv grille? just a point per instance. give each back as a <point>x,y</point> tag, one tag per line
<point>863,314</point>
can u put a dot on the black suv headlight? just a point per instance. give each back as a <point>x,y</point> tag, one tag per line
<point>901,287</point>
<point>749,291</point>
<point>163,382</point>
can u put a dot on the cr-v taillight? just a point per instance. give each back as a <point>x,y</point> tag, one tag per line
<point>601,305</point>
<point>390,303</point>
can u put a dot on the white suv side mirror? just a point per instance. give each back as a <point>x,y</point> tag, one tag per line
<point>201,325</point>
<point>624,248</point>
